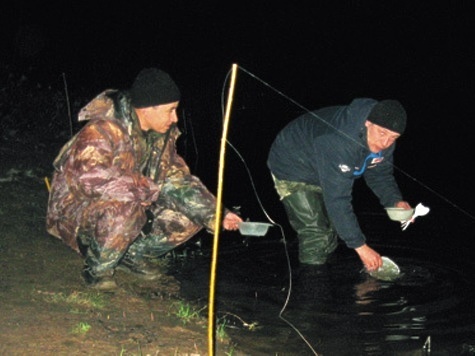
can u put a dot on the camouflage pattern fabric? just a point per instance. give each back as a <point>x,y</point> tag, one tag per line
<point>287,187</point>
<point>307,215</point>
<point>106,174</point>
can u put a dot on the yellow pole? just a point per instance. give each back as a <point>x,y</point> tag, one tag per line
<point>212,288</point>
<point>48,186</point>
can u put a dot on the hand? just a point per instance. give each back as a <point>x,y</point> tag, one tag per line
<point>231,221</point>
<point>403,205</point>
<point>370,258</point>
<point>420,210</point>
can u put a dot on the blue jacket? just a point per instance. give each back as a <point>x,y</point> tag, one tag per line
<point>328,148</point>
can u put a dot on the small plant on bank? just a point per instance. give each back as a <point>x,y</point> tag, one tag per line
<point>89,300</point>
<point>81,328</point>
<point>186,312</point>
<point>221,330</point>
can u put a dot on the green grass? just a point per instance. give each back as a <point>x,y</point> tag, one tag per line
<point>186,312</point>
<point>89,300</point>
<point>221,330</point>
<point>81,328</point>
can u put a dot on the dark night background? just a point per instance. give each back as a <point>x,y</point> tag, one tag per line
<point>320,54</point>
<point>293,57</point>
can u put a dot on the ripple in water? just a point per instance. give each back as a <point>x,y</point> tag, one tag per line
<point>428,309</point>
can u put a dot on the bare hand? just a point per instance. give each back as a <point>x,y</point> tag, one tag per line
<point>403,205</point>
<point>231,221</point>
<point>370,258</point>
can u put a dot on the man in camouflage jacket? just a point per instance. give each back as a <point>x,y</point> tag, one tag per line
<point>121,168</point>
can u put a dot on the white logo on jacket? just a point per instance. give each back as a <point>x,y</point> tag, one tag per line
<point>344,168</point>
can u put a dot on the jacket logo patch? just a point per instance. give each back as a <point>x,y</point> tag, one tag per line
<point>344,168</point>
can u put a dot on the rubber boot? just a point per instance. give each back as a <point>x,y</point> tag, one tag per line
<point>99,264</point>
<point>144,257</point>
<point>138,267</point>
<point>308,217</point>
<point>103,282</point>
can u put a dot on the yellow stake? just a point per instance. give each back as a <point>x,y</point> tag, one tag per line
<point>211,317</point>
<point>48,186</point>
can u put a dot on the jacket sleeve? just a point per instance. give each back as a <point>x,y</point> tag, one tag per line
<point>187,193</point>
<point>102,164</point>
<point>192,198</point>
<point>337,194</point>
<point>382,183</point>
<point>337,186</point>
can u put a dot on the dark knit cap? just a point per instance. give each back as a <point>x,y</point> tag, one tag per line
<point>153,87</point>
<point>389,114</point>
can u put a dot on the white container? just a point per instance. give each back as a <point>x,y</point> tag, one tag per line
<point>253,228</point>
<point>399,214</point>
<point>389,271</point>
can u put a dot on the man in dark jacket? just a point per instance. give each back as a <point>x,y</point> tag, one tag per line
<point>316,158</point>
<point>121,168</point>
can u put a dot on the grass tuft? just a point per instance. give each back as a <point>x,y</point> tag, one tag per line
<point>89,300</point>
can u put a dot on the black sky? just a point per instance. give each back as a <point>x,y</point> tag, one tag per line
<point>377,43</point>
<point>324,53</point>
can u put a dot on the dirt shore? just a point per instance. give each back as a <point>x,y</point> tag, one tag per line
<point>47,310</point>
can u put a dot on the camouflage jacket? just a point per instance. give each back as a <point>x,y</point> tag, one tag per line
<point>112,161</point>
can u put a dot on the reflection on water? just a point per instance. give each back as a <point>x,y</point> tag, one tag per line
<point>426,311</point>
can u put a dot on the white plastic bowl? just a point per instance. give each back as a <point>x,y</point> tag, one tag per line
<point>389,271</point>
<point>399,214</point>
<point>253,228</point>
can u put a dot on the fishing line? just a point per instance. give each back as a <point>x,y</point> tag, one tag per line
<point>186,119</point>
<point>284,241</point>
<point>358,143</point>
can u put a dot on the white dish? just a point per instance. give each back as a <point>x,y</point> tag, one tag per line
<point>389,271</point>
<point>253,228</point>
<point>399,214</point>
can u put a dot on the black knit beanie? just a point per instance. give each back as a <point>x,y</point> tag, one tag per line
<point>389,114</point>
<point>153,87</point>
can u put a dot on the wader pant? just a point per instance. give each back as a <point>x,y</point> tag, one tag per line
<point>164,230</point>
<point>308,217</point>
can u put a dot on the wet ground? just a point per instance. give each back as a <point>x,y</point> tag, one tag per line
<point>45,308</point>
<point>428,310</point>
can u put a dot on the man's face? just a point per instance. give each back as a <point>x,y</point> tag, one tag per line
<point>379,138</point>
<point>158,118</point>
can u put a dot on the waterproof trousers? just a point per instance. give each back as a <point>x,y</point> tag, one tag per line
<point>307,215</point>
<point>166,229</point>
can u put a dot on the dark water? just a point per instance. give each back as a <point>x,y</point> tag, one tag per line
<point>428,310</point>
